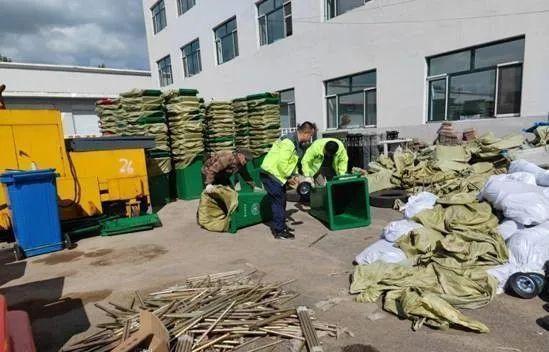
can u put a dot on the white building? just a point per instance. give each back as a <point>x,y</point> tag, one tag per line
<point>382,63</point>
<point>71,89</point>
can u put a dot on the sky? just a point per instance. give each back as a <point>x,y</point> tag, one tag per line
<point>74,32</point>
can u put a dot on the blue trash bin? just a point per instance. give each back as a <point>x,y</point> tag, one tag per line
<point>32,201</point>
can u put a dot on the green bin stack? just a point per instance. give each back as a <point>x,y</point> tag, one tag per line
<point>242,123</point>
<point>220,127</point>
<point>264,119</point>
<point>159,170</point>
<point>185,119</point>
<point>111,117</point>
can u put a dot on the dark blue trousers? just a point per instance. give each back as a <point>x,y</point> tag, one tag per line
<point>277,194</point>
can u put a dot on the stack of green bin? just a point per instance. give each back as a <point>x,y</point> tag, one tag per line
<point>159,170</point>
<point>188,181</point>
<point>344,203</point>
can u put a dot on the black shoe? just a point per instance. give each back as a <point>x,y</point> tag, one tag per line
<point>284,235</point>
<point>289,229</point>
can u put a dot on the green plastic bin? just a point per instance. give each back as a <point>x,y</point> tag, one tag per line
<point>253,208</point>
<point>160,191</point>
<point>188,181</point>
<point>344,203</point>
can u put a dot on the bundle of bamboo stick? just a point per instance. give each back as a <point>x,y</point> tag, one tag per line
<point>220,312</point>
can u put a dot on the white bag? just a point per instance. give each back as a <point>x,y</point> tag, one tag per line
<point>381,250</point>
<point>399,228</point>
<point>497,188</point>
<point>508,228</point>
<point>418,203</point>
<point>541,175</point>
<point>526,208</point>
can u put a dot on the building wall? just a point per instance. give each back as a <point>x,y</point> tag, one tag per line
<point>71,90</point>
<point>392,36</point>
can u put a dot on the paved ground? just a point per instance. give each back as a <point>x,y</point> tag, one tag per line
<point>60,290</point>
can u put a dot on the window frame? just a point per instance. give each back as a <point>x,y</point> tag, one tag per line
<point>472,69</point>
<point>184,57</point>
<point>161,81</point>
<point>219,41</point>
<point>180,7</point>
<point>293,123</point>
<point>336,96</point>
<point>264,16</point>
<point>157,30</point>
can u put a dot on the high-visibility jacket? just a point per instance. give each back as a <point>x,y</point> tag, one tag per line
<point>314,156</point>
<point>281,161</point>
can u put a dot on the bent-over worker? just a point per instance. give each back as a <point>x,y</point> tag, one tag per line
<point>325,159</point>
<point>219,168</point>
<point>278,170</point>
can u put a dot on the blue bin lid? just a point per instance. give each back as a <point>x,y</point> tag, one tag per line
<point>25,176</point>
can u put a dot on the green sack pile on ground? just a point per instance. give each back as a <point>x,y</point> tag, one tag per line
<point>242,123</point>
<point>185,121</point>
<point>220,127</point>
<point>159,166</point>
<point>216,207</point>
<point>489,146</point>
<point>440,170</point>
<point>111,116</point>
<point>264,120</point>
<point>542,136</point>
<point>449,256</point>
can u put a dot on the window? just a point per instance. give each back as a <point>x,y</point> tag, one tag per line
<point>226,41</point>
<point>165,71</point>
<point>337,7</point>
<point>275,20</point>
<point>191,58</point>
<point>159,16</point>
<point>287,109</point>
<point>479,82</point>
<point>351,101</point>
<point>184,6</point>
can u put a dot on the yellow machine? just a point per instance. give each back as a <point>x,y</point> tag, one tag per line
<point>89,183</point>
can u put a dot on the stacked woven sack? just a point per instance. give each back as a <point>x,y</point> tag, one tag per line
<point>185,123</point>
<point>111,116</point>
<point>144,113</point>
<point>242,123</point>
<point>264,119</point>
<point>220,131</point>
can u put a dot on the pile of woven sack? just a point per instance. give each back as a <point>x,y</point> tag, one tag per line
<point>220,127</point>
<point>264,120</point>
<point>242,123</point>
<point>111,116</point>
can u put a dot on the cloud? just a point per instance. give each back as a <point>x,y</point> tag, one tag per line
<point>74,32</point>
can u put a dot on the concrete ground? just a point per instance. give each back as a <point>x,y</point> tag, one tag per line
<point>59,290</point>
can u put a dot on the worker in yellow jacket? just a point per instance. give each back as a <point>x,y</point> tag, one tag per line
<point>325,159</point>
<point>279,169</point>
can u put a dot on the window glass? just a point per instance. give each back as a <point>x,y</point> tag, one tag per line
<point>265,6</point>
<point>509,89</point>
<point>287,96</point>
<point>185,5</point>
<point>371,108</point>
<point>332,112</point>
<point>472,95</point>
<point>191,58</point>
<point>499,53</point>
<point>456,62</point>
<point>437,100</point>
<point>347,5</point>
<point>227,46</point>
<point>226,41</point>
<point>275,26</point>
<point>351,106</point>
<point>165,71</point>
<point>158,16</point>
<point>338,86</point>
<point>231,25</point>
<point>363,81</point>
<point>330,9</point>
<point>263,30</point>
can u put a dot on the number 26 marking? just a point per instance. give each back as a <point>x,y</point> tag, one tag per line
<point>127,166</point>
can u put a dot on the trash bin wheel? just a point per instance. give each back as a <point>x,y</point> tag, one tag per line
<point>18,252</point>
<point>68,242</point>
<point>387,197</point>
<point>523,285</point>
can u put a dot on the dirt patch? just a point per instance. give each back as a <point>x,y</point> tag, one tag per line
<point>91,296</point>
<point>359,348</point>
<point>98,253</point>
<point>60,258</point>
<point>132,255</point>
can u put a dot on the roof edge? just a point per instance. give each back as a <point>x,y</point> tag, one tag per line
<point>67,68</point>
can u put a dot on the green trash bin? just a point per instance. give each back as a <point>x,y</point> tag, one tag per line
<point>344,203</point>
<point>188,181</point>
<point>253,208</point>
<point>159,171</point>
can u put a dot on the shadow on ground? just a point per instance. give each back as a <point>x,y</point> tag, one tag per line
<point>55,319</point>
